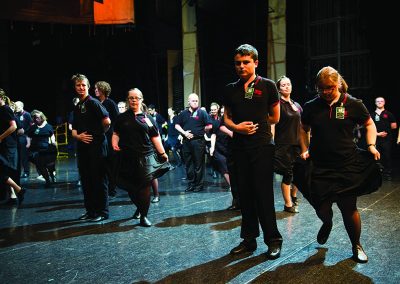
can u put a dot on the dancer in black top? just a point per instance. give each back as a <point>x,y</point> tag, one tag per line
<point>340,172</point>
<point>90,122</point>
<point>103,91</point>
<point>251,106</point>
<point>135,138</point>
<point>8,148</point>
<point>192,124</point>
<point>287,143</point>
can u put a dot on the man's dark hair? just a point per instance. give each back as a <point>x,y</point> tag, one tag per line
<point>247,49</point>
<point>151,106</point>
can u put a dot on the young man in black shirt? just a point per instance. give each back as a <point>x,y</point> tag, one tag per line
<point>251,106</point>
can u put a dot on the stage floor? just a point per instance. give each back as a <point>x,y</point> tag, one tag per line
<point>190,240</point>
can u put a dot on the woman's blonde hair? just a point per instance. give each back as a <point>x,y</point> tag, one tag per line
<point>329,73</point>
<point>39,113</point>
<point>4,97</point>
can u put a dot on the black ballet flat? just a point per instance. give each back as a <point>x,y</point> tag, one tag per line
<point>136,215</point>
<point>359,254</point>
<point>144,222</point>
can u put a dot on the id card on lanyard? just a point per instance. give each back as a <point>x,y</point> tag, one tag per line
<point>340,110</point>
<point>250,89</point>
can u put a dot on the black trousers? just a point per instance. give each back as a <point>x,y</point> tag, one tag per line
<point>24,154</point>
<point>92,170</point>
<point>384,147</point>
<point>254,176</point>
<point>193,156</point>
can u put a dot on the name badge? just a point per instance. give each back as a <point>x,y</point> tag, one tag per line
<point>249,93</point>
<point>377,117</point>
<point>83,108</point>
<point>340,112</point>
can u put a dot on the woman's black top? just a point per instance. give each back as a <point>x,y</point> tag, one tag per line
<point>134,132</point>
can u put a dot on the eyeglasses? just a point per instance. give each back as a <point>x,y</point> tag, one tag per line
<point>134,98</point>
<point>326,89</point>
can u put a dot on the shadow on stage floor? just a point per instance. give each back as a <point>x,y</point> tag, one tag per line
<point>41,241</point>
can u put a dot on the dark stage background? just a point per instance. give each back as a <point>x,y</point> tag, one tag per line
<point>38,59</point>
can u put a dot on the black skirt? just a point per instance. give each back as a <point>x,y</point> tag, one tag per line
<point>134,172</point>
<point>361,176</point>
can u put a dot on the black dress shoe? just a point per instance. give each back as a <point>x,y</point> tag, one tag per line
<point>359,254</point>
<point>197,189</point>
<point>189,189</point>
<point>245,247</point>
<point>274,251</point>
<point>324,232</point>
<point>99,218</point>
<point>85,217</point>
<point>136,215</point>
<point>144,222</point>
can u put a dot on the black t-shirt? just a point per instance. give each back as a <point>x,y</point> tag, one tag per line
<point>255,109</point>
<point>194,121</point>
<point>288,128</point>
<point>332,143</point>
<point>159,119</point>
<point>134,132</point>
<point>40,137</point>
<point>6,116</point>
<point>383,122</point>
<point>88,116</point>
<point>112,109</point>
<point>113,112</point>
<point>172,132</point>
<point>26,119</point>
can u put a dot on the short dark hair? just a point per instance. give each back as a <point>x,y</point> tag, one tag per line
<point>247,49</point>
<point>151,106</point>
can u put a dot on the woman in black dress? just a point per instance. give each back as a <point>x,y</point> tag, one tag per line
<point>8,147</point>
<point>340,171</point>
<point>286,137</point>
<point>136,138</point>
